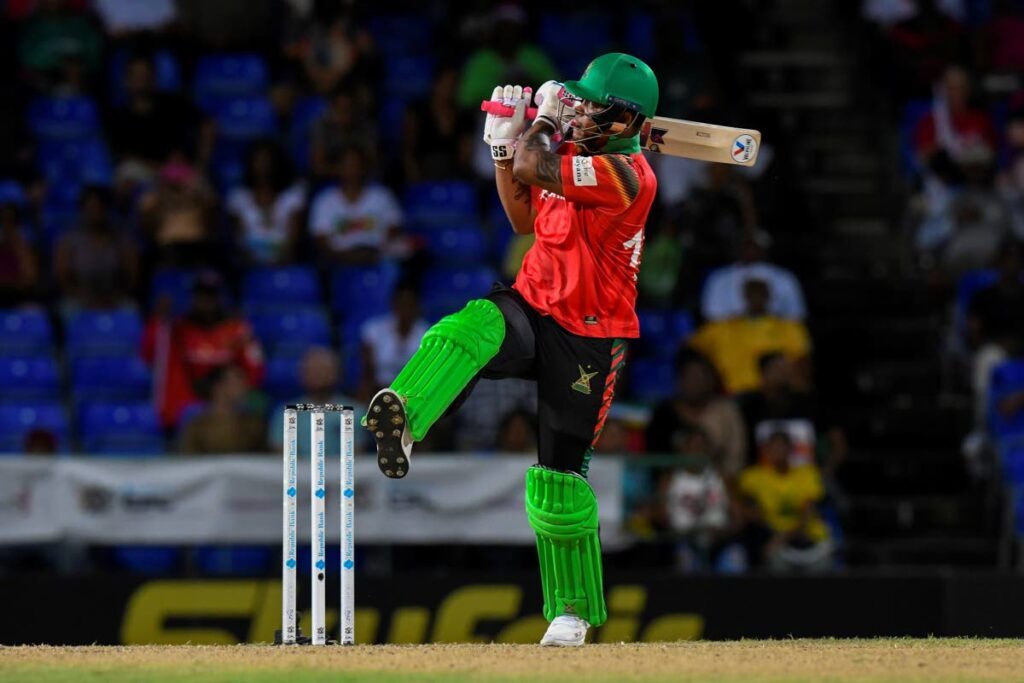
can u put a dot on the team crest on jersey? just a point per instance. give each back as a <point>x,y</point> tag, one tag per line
<point>583,173</point>
<point>582,385</point>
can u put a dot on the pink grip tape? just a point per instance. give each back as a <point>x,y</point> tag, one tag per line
<point>499,109</point>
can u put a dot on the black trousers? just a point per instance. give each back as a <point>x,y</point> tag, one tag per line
<point>575,379</point>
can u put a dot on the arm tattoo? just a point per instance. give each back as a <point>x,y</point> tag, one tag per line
<point>521,192</point>
<point>549,164</point>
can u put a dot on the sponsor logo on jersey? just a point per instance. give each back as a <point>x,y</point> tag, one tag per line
<point>583,173</point>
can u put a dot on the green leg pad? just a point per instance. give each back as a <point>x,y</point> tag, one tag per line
<point>562,509</point>
<point>451,353</point>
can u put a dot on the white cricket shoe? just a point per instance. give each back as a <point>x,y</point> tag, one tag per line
<point>566,631</point>
<point>387,421</point>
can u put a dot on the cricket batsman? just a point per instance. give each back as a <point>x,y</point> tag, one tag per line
<point>563,323</point>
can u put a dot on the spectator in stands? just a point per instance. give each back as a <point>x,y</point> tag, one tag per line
<point>177,217</point>
<point>52,33</point>
<point>19,272</point>
<point>40,441</point>
<point>664,247</point>
<point>995,324</point>
<point>734,345</point>
<point>356,222</point>
<point>224,425</point>
<point>782,528</point>
<point>124,19</point>
<point>699,404</point>
<point>479,420</point>
<point>963,220</point>
<point>923,45</point>
<point>695,503</point>
<point>340,128</point>
<point>778,405</point>
<point>437,136</point>
<point>1010,182</point>
<point>517,433</point>
<point>331,49</point>
<point>320,375</point>
<point>505,57</point>
<point>96,264</point>
<point>185,350</point>
<point>388,341</point>
<point>131,126</point>
<point>953,125</point>
<point>723,292</point>
<point>268,209</point>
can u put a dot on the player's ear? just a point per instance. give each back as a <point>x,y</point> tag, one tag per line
<point>633,121</point>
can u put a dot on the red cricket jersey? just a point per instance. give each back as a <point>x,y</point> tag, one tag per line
<point>582,268</point>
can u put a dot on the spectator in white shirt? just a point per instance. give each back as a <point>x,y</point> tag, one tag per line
<point>388,341</point>
<point>356,222</point>
<point>268,208</point>
<point>722,296</point>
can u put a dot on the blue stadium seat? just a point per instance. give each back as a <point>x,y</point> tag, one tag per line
<point>167,73</point>
<point>25,333</point>
<point>233,560</point>
<point>281,287</point>
<point>360,293</point>
<point>650,380</point>
<point>103,333</point>
<point>11,192</point>
<point>640,35</point>
<point>408,77</point>
<point>282,377</point>
<point>402,34</point>
<point>16,421</point>
<point>24,378</point>
<point>110,379</point>
<point>446,290</point>
<point>596,26</point>
<point>224,76</point>
<point>245,118</point>
<point>913,111</point>
<point>76,162</point>
<point>173,283</point>
<point>293,331</point>
<point>120,429</point>
<point>1012,457</point>
<point>1007,378</point>
<point>441,204</point>
<point>456,245</point>
<point>661,332</point>
<point>148,559</point>
<point>304,114</point>
<point>64,118</point>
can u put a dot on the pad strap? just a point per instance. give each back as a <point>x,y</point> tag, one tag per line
<point>562,509</point>
<point>451,353</point>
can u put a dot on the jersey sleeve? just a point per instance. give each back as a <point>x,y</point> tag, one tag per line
<point>607,180</point>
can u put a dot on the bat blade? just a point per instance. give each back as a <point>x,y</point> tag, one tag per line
<point>704,141</point>
<point>680,138</point>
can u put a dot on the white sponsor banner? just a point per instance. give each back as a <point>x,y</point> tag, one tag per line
<point>237,499</point>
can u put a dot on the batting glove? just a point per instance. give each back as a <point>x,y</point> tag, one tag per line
<point>555,105</point>
<point>500,132</point>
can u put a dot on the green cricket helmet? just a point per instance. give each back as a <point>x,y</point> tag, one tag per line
<point>618,79</point>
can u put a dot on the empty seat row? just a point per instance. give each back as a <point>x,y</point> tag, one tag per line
<point>104,428</point>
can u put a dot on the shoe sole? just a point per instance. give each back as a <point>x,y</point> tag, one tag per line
<point>387,421</point>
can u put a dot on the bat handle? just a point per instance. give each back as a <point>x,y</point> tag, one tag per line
<point>499,109</point>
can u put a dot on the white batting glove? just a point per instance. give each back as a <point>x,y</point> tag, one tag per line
<point>500,132</point>
<point>555,105</point>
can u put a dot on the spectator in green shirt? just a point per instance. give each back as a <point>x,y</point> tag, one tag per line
<point>504,58</point>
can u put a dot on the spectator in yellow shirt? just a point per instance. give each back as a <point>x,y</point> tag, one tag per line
<point>778,502</point>
<point>735,345</point>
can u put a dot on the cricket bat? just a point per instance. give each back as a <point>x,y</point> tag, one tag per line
<point>680,138</point>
